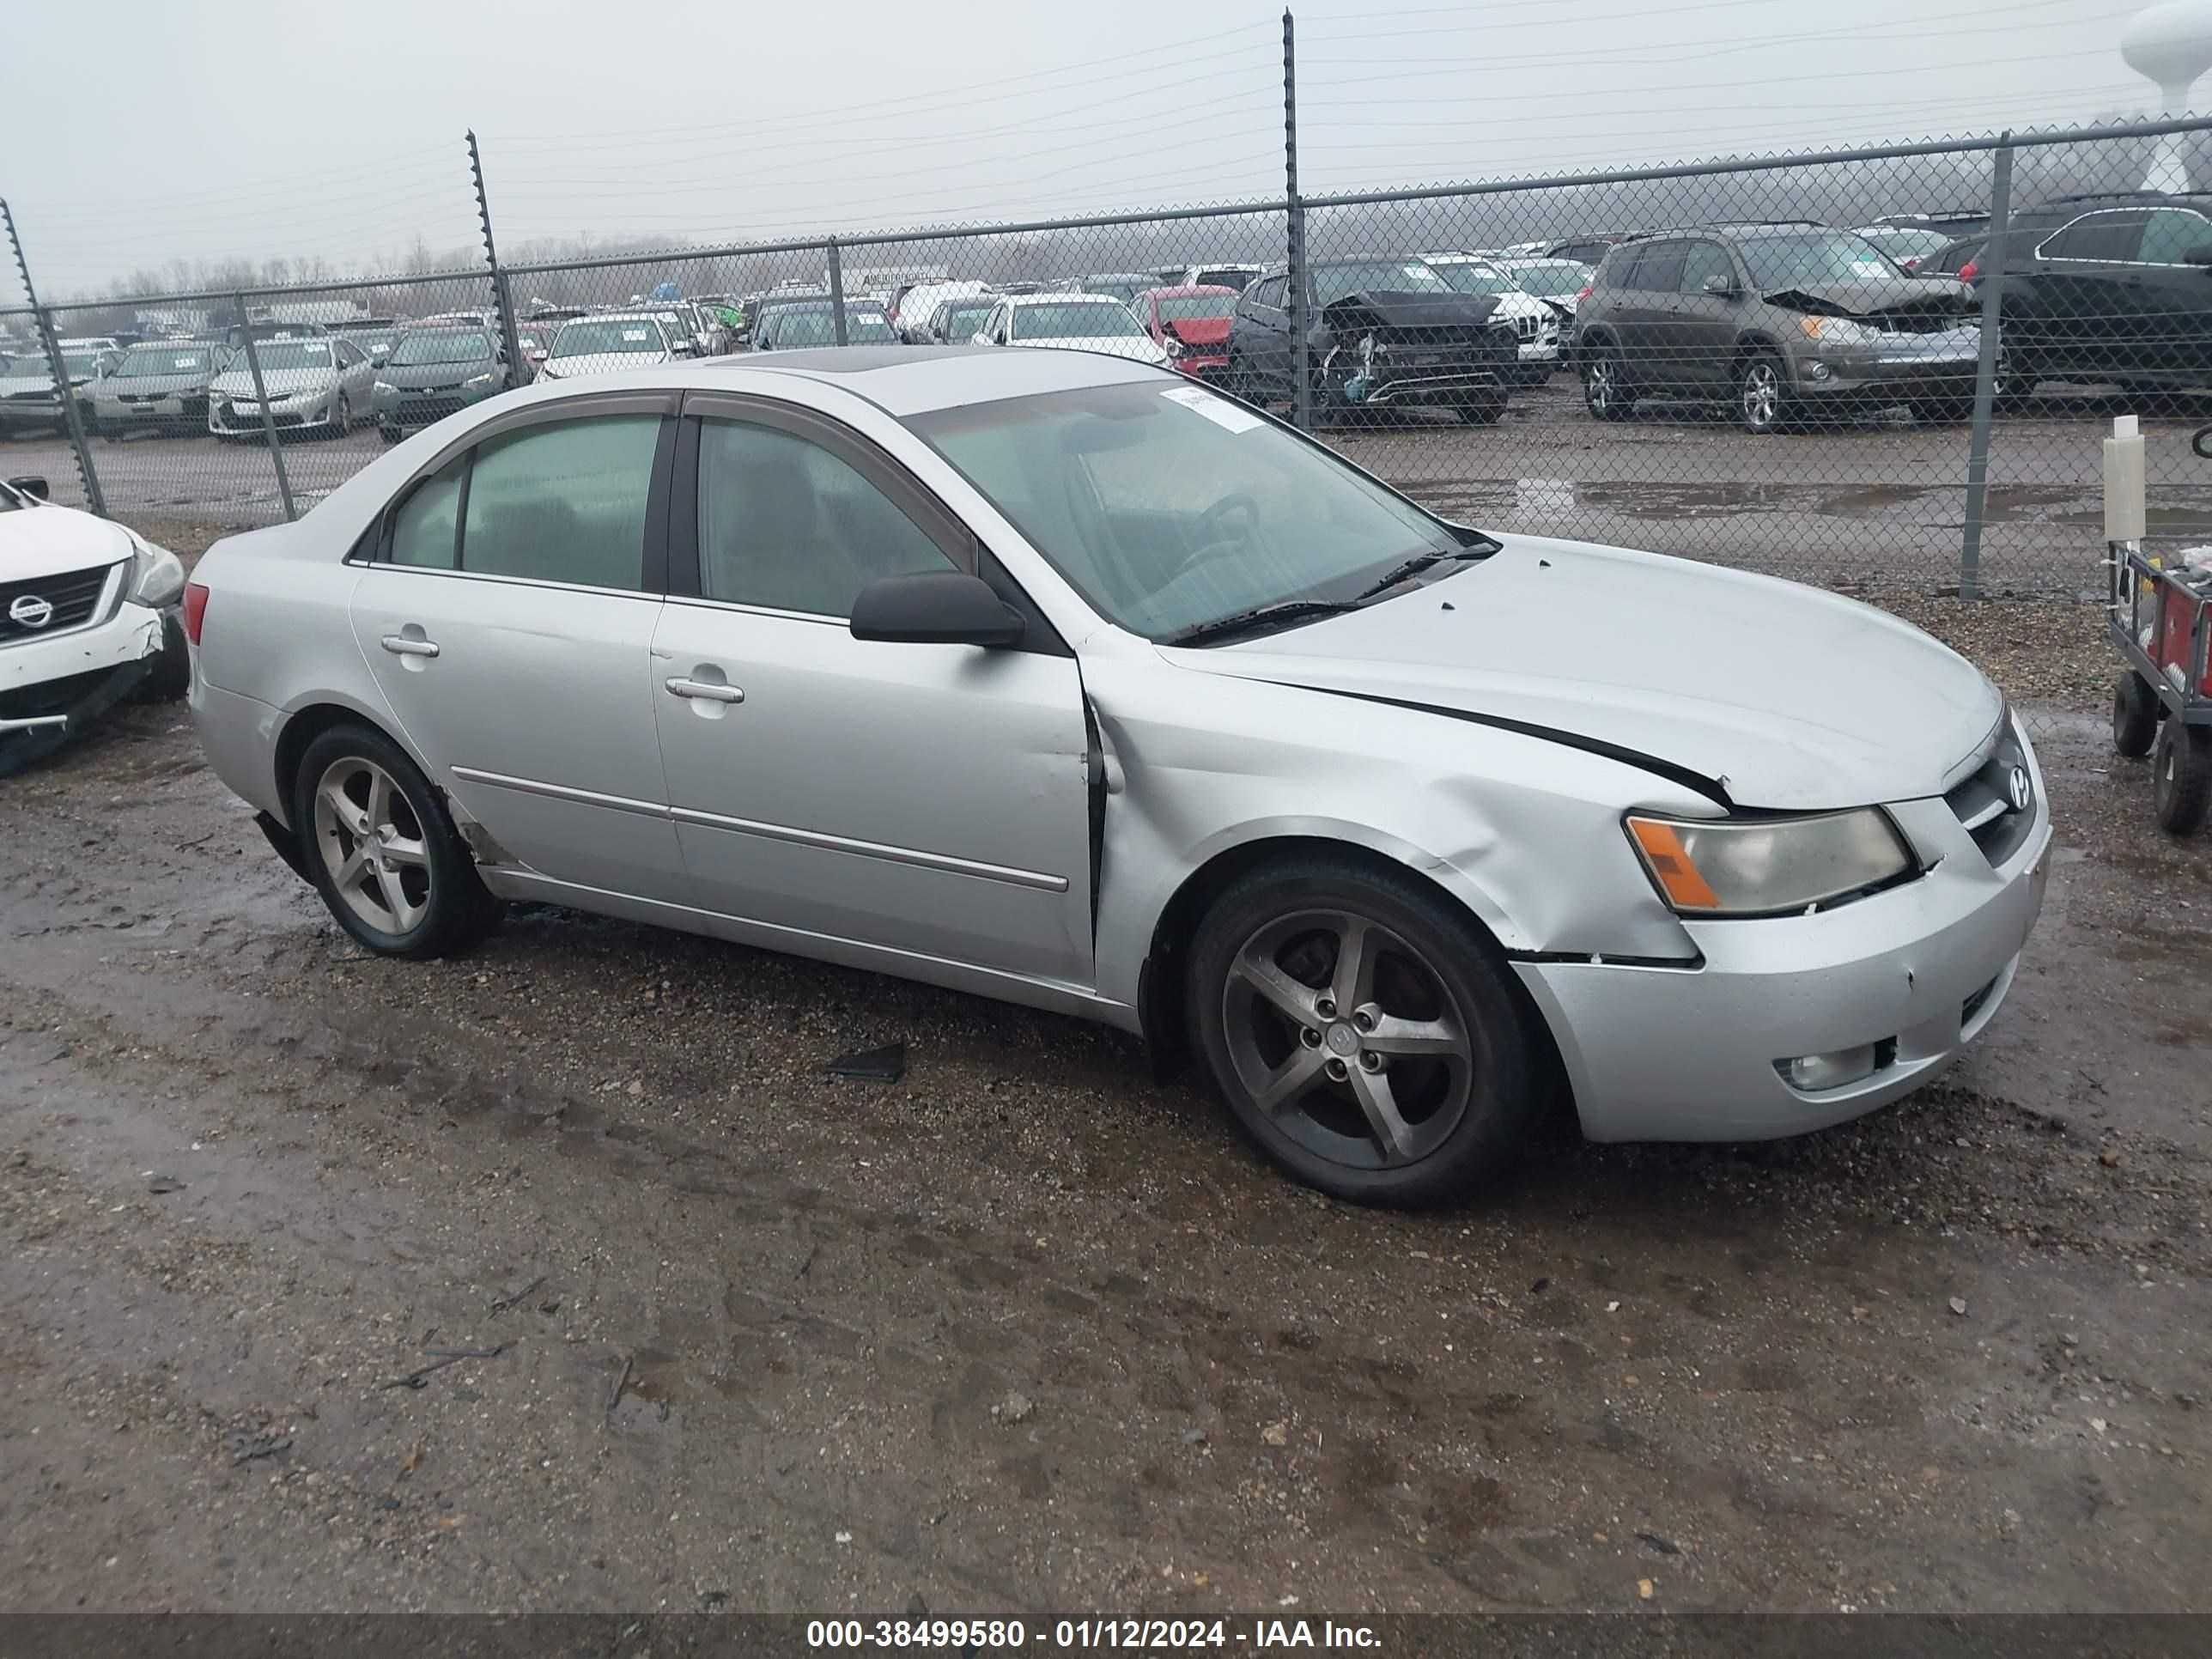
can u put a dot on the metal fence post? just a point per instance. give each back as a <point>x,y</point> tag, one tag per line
<point>59,370</point>
<point>1301,374</point>
<point>268,421</point>
<point>836,292</point>
<point>501,299</point>
<point>1985,373</point>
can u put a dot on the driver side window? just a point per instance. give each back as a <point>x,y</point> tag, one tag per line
<point>786,524</point>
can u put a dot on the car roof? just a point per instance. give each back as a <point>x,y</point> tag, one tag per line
<point>1062,296</point>
<point>916,379</point>
<point>1183,290</point>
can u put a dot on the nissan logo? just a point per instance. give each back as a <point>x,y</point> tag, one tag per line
<point>2019,789</point>
<point>29,610</point>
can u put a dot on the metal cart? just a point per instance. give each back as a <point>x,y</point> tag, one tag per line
<point>2161,622</point>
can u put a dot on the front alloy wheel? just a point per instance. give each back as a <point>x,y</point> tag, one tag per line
<point>1759,393</point>
<point>1363,1034</point>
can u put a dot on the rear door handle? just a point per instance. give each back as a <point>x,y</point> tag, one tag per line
<point>400,646</point>
<point>705,691</point>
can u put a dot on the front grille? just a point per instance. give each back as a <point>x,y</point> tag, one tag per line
<point>1528,327</point>
<point>421,411</point>
<point>74,594</point>
<point>1983,802</point>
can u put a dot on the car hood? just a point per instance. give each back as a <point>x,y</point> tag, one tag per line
<point>416,375</point>
<point>140,386</point>
<point>1143,351</point>
<point>1782,695</point>
<point>601,362</point>
<point>1398,309</point>
<point>238,382</point>
<point>1884,297</point>
<point>12,384</point>
<point>1199,331</point>
<point>45,541</point>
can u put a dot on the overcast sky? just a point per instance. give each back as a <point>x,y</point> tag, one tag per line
<point>214,128</point>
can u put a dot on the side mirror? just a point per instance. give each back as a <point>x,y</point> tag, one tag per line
<point>33,486</point>
<point>1724,286</point>
<point>934,607</point>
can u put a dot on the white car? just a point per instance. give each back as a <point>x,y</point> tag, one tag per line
<point>606,342</point>
<point>1535,325</point>
<point>87,616</point>
<point>1073,322</point>
<point>318,380</point>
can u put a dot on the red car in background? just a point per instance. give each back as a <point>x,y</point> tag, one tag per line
<point>1191,325</point>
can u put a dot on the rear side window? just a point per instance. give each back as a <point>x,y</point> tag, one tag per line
<point>2171,235</point>
<point>563,503</point>
<point>1659,270</point>
<point>2113,237</point>
<point>1704,261</point>
<point>425,530</point>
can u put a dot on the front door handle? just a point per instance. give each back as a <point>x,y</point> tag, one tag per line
<point>399,645</point>
<point>705,691</point>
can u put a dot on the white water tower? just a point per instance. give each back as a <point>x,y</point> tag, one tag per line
<point>2170,43</point>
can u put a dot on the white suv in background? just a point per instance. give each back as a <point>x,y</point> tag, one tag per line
<point>1535,325</point>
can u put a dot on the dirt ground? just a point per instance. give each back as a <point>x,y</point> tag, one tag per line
<point>1029,1330</point>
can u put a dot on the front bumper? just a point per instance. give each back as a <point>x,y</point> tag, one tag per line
<point>168,414</point>
<point>1942,364</point>
<point>229,418</point>
<point>412,410</point>
<point>51,688</point>
<point>1445,383</point>
<point>1919,971</point>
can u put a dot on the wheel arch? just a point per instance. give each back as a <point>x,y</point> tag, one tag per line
<point>303,725</point>
<point>1753,343</point>
<point>1162,984</point>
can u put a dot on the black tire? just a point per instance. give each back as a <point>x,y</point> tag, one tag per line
<point>1762,393</point>
<point>2018,374</point>
<point>171,676</point>
<point>2181,777</point>
<point>341,416</point>
<point>1604,376</point>
<point>391,434</point>
<point>1462,1134</point>
<point>2136,711</point>
<point>456,910</point>
<point>1482,411</point>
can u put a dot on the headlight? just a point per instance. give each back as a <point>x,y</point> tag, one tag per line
<point>156,577</point>
<point>384,389</point>
<point>1739,867</point>
<point>1838,330</point>
<point>479,380</point>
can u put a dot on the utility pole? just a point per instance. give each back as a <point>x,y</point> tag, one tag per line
<point>1301,376</point>
<point>63,390</point>
<point>1992,258</point>
<point>501,297</point>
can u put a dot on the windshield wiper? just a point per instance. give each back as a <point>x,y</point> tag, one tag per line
<point>1283,612</point>
<point>1414,567</point>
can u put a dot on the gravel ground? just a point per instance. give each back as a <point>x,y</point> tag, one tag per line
<point>1030,1329</point>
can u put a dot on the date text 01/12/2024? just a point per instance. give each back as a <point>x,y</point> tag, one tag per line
<point>1153,1634</point>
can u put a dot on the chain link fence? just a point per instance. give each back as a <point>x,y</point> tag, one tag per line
<point>1882,369</point>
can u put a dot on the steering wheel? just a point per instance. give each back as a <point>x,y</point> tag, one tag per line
<point>1216,543</point>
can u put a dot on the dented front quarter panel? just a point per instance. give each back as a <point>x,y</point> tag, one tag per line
<point>1523,832</point>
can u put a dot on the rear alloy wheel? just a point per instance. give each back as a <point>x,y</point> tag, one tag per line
<point>1762,391</point>
<point>382,850</point>
<point>1605,386</point>
<point>2136,712</point>
<point>1369,1040</point>
<point>341,416</point>
<point>2181,777</point>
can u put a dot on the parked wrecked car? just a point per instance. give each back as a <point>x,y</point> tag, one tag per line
<point>1059,678</point>
<point>432,372</point>
<point>1782,321</point>
<point>1380,332</point>
<point>87,616</point>
<point>28,397</point>
<point>320,382</point>
<point>159,388</point>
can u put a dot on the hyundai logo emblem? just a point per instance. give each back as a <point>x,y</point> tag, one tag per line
<point>29,610</point>
<point>2018,787</point>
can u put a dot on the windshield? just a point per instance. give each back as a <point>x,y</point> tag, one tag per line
<point>1469,277</point>
<point>1552,280</point>
<point>1075,319</point>
<point>961,322</point>
<point>78,364</point>
<point>1235,276</point>
<point>1783,262</point>
<point>594,339</point>
<point>1196,307</point>
<point>1124,288</point>
<point>459,345</point>
<point>794,325</point>
<point>277,356</point>
<point>1906,242</point>
<point>1332,283</point>
<point>166,360</point>
<point>1167,506</point>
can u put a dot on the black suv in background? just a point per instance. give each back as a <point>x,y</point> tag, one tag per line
<point>1779,320</point>
<point>2110,290</point>
<point>1380,333</point>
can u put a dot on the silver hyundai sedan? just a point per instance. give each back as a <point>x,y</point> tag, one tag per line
<point>1059,678</point>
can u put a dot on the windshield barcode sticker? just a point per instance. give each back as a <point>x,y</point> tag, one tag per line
<point>1219,410</point>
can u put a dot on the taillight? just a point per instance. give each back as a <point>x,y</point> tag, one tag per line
<point>1585,294</point>
<point>1967,270</point>
<point>196,597</point>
